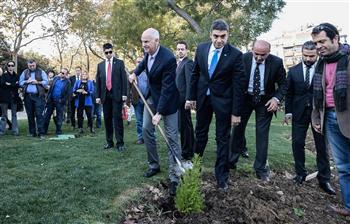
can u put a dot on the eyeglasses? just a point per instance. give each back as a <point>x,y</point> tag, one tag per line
<point>10,65</point>
<point>108,52</point>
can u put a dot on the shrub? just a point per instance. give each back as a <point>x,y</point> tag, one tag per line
<point>189,198</point>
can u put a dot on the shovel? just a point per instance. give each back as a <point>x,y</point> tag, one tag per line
<point>180,165</point>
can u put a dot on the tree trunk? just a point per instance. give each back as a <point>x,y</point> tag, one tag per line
<point>15,59</point>
<point>87,58</point>
<point>182,13</point>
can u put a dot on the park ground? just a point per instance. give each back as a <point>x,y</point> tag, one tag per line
<point>76,181</point>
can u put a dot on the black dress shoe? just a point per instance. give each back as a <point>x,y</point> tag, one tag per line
<point>223,186</point>
<point>327,188</point>
<point>140,142</point>
<point>244,153</point>
<point>108,146</point>
<point>151,172</point>
<point>298,179</point>
<point>172,189</point>
<point>121,148</point>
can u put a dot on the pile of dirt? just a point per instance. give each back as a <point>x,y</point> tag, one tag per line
<point>246,201</point>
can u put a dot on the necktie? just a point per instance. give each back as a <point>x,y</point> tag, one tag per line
<point>213,63</point>
<point>109,76</point>
<point>256,84</point>
<point>307,77</point>
<point>150,63</point>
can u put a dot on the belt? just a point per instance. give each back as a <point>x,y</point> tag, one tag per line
<point>330,109</point>
<point>32,94</point>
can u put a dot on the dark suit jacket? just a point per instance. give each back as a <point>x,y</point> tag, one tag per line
<point>274,74</point>
<point>161,78</point>
<point>183,78</point>
<point>119,80</point>
<point>298,95</point>
<point>226,82</point>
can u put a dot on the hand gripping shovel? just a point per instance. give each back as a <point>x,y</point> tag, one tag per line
<point>181,167</point>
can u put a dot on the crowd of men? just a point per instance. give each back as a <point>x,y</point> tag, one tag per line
<point>221,80</point>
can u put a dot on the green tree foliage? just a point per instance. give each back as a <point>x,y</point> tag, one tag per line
<point>191,19</point>
<point>42,61</point>
<point>189,198</point>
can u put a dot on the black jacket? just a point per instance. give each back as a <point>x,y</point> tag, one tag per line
<point>161,78</point>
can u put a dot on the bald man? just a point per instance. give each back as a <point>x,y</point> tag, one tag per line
<point>263,71</point>
<point>160,66</point>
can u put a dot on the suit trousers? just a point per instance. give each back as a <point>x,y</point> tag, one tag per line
<point>171,132</point>
<point>112,112</point>
<point>262,127</point>
<point>35,106</point>
<point>186,132</point>
<point>72,111</point>
<point>299,130</point>
<point>222,132</point>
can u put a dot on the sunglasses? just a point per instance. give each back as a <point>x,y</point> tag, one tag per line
<point>108,52</point>
<point>320,28</point>
<point>10,65</point>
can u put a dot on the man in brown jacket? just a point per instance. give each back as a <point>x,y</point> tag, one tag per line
<point>331,109</point>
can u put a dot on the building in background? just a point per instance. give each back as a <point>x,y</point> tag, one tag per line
<point>288,46</point>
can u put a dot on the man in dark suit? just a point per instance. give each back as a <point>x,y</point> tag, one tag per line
<point>71,110</point>
<point>183,76</point>
<point>216,88</point>
<point>111,91</point>
<point>263,71</point>
<point>298,108</point>
<point>160,65</point>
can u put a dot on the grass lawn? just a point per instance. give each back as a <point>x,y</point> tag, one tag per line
<point>76,181</point>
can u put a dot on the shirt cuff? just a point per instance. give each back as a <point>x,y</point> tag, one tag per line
<point>278,101</point>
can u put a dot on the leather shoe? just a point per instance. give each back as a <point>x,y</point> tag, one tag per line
<point>338,211</point>
<point>172,189</point>
<point>108,146</point>
<point>121,148</point>
<point>327,188</point>
<point>151,172</point>
<point>140,142</point>
<point>299,179</point>
<point>244,153</point>
<point>223,187</point>
<point>264,179</point>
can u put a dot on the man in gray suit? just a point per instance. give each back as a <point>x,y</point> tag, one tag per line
<point>160,65</point>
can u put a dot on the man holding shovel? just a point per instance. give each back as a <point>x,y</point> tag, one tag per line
<point>160,66</point>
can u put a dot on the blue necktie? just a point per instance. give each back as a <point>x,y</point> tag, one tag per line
<point>213,63</point>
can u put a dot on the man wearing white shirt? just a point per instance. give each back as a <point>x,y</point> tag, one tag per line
<point>265,88</point>
<point>111,92</point>
<point>298,109</point>
<point>216,81</point>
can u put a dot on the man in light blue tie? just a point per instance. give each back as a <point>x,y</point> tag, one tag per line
<point>216,81</point>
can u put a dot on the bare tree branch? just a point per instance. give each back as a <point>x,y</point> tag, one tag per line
<point>194,25</point>
<point>41,37</point>
<point>94,52</point>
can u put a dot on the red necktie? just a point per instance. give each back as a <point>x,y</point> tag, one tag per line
<point>109,77</point>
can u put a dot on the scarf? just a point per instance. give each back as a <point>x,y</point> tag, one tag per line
<point>341,81</point>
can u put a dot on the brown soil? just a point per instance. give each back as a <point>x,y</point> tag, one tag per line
<point>246,201</point>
